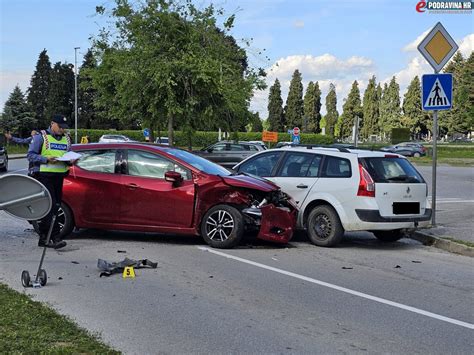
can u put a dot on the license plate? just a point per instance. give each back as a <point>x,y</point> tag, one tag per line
<point>406,208</point>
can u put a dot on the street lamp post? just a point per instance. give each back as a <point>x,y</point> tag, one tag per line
<point>75,93</point>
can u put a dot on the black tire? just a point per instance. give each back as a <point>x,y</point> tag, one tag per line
<point>5,168</point>
<point>222,227</point>
<point>324,227</point>
<point>389,236</point>
<point>42,277</point>
<point>25,278</point>
<point>65,220</point>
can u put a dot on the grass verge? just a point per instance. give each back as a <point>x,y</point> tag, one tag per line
<point>30,327</point>
<point>466,243</point>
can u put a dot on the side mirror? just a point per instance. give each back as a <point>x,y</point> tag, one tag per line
<point>173,177</point>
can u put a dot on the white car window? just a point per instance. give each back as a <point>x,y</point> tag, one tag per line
<point>100,161</point>
<point>261,165</point>
<point>296,165</point>
<point>146,164</point>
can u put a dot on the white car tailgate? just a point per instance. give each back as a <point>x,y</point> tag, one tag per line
<point>397,199</point>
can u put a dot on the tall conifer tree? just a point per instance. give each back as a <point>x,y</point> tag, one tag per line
<point>312,107</point>
<point>294,102</point>
<point>351,108</point>
<point>38,91</point>
<point>331,108</point>
<point>275,107</point>
<point>413,115</point>
<point>61,93</point>
<point>86,93</point>
<point>16,115</point>
<point>370,109</point>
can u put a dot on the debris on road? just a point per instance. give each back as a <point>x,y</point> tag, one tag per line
<point>118,267</point>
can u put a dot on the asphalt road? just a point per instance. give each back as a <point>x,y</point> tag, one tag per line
<point>363,296</point>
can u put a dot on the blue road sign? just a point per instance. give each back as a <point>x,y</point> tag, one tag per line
<point>295,139</point>
<point>437,91</point>
<point>146,132</point>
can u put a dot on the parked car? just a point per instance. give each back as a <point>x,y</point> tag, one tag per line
<point>3,158</point>
<point>407,149</point>
<point>227,153</point>
<point>162,140</point>
<point>340,190</point>
<point>114,138</point>
<point>262,143</point>
<point>283,144</point>
<point>151,188</point>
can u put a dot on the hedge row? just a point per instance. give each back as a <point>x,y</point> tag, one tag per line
<point>200,138</point>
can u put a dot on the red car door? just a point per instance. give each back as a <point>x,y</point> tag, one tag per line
<point>147,199</point>
<point>92,188</point>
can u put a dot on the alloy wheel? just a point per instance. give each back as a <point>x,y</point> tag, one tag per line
<point>219,225</point>
<point>323,226</point>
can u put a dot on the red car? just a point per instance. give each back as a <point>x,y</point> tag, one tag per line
<point>151,188</point>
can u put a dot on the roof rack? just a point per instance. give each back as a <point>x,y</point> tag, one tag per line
<point>311,146</point>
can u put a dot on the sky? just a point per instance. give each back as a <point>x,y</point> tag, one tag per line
<point>329,41</point>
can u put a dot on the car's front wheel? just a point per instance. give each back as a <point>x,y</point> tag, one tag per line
<point>64,219</point>
<point>5,167</point>
<point>222,227</point>
<point>389,236</point>
<point>416,155</point>
<point>324,227</point>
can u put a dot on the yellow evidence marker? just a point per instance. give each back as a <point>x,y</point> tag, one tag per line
<point>128,272</point>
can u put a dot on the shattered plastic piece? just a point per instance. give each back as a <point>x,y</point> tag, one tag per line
<point>347,268</point>
<point>121,251</point>
<point>416,261</point>
<point>75,262</point>
<point>397,267</point>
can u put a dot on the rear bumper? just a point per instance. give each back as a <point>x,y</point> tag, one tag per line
<point>374,216</point>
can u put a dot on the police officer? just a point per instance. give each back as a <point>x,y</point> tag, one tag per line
<point>43,153</point>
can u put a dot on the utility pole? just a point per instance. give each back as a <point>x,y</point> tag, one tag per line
<point>356,130</point>
<point>75,94</point>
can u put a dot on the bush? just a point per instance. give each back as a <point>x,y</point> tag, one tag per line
<point>400,135</point>
<point>200,138</point>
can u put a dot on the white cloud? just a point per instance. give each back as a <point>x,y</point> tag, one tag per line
<point>466,45</point>
<point>299,24</point>
<point>413,46</point>
<point>325,69</point>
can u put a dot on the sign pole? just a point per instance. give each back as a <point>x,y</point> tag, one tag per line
<point>435,158</point>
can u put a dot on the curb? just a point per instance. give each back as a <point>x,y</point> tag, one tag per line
<point>16,156</point>
<point>440,243</point>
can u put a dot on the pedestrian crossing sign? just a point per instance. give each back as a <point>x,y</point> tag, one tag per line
<point>437,91</point>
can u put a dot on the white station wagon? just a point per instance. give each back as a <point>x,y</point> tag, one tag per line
<point>340,190</point>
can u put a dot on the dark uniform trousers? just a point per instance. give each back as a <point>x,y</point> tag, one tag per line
<point>54,183</point>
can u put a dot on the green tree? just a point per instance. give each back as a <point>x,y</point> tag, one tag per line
<point>294,108</point>
<point>351,108</point>
<point>390,110</point>
<point>17,116</point>
<point>465,96</point>
<point>370,110</point>
<point>458,119</point>
<point>37,94</point>
<point>413,115</point>
<point>61,92</point>
<point>169,64</point>
<point>331,108</point>
<point>275,107</point>
<point>312,107</point>
<point>88,116</point>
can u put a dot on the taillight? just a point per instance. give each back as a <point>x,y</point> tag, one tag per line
<point>366,183</point>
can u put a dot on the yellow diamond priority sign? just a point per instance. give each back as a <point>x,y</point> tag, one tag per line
<point>438,47</point>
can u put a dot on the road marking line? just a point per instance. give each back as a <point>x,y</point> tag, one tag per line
<point>14,171</point>
<point>343,289</point>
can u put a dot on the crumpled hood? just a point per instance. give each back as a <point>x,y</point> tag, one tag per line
<point>250,182</point>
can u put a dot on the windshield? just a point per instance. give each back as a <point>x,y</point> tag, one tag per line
<point>392,170</point>
<point>199,163</point>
